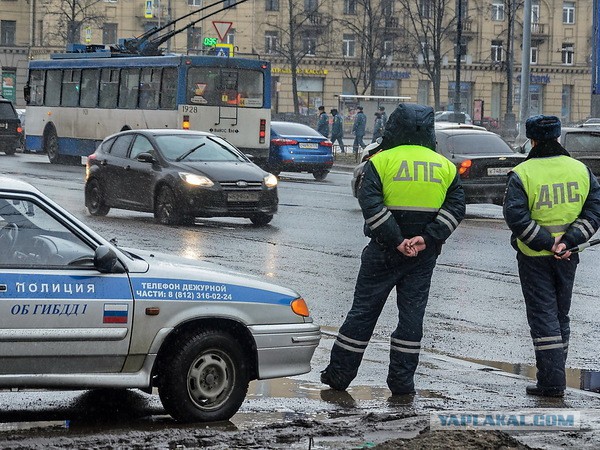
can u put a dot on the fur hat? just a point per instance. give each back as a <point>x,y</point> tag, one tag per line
<point>542,128</point>
<point>360,108</point>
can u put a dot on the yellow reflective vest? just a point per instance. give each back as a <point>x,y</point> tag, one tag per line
<point>556,188</point>
<point>414,178</point>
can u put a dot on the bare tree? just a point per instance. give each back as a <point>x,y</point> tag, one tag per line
<point>301,36</point>
<point>429,26</point>
<point>70,16</point>
<point>372,38</point>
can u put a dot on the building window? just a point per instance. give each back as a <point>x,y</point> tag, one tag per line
<point>8,32</point>
<point>272,5</point>
<point>535,11</point>
<point>229,3</point>
<point>498,11</point>
<point>423,92</point>
<point>534,55</point>
<point>194,2</point>
<point>387,8</point>
<point>194,38</point>
<point>271,42</point>
<point>568,54</point>
<point>349,46</point>
<point>463,52</point>
<point>497,51</point>
<point>426,9</point>
<point>309,44</point>
<point>569,12</point>
<point>349,6</point>
<point>388,48</point>
<point>109,33</point>
<point>310,6</point>
<point>39,39</point>
<point>464,5</point>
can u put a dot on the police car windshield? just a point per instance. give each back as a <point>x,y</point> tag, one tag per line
<point>477,144</point>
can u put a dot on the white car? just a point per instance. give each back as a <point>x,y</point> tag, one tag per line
<point>77,312</point>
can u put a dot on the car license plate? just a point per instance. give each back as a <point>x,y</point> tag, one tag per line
<point>498,170</point>
<point>242,196</point>
<point>308,145</point>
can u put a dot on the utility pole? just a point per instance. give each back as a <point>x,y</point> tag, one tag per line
<point>509,118</point>
<point>525,68</point>
<point>457,108</point>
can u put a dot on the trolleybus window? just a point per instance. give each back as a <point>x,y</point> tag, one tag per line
<point>36,87</point>
<point>109,88</point>
<point>128,92</point>
<point>169,88</point>
<point>53,82</point>
<point>90,78</point>
<point>70,88</point>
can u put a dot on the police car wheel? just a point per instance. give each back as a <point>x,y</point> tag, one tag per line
<point>204,378</point>
<point>166,210</point>
<point>95,199</point>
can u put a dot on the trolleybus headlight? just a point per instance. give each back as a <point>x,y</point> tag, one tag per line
<point>270,181</point>
<point>196,180</point>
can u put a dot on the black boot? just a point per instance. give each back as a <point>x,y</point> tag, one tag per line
<point>533,389</point>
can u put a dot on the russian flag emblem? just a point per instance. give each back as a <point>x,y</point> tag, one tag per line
<point>115,313</point>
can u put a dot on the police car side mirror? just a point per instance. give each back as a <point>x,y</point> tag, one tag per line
<point>106,261</point>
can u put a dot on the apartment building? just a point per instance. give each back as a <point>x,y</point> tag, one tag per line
<point>328,35</point>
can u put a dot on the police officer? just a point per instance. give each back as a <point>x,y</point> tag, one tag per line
<point>359,127</point>
<point>323,122</point>
<point>412,200</point>
<point>337,129</point>
<point>552,203</point>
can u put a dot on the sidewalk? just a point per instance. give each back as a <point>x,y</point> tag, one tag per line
<point>345,162</point>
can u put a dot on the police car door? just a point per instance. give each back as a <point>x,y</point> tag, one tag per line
<point>58,314</point>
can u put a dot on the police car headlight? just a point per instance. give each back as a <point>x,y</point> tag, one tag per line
<point>196,180</point>
<point>270,181</point>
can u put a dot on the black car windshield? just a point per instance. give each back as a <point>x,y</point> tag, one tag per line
<point>294,129</point>
<point>207,148</point>
<point>583,142</point>
<point>477,144</point>
<point>7,111</point>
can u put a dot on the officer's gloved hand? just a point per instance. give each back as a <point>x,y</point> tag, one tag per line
<point>559,247</point>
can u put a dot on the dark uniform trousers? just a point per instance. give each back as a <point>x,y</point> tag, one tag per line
<point>547,284</point>
<point>379,273</point>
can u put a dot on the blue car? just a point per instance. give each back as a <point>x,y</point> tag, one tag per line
<point>298,148</point>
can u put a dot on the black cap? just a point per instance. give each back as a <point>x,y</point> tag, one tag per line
<point>333,111</point>
<point>542,128</point>
<point>360,108</point>
<point>382,108</point>
<point>321,108</point>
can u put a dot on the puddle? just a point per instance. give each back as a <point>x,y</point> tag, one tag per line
<point>588,380</point>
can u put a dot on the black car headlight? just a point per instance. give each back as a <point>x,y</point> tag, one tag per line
<point>196,180</point>
<point>270,181</point>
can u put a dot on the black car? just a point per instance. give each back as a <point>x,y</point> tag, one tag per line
<point>178,175</point>
<point>583,143</point>
<point>483,160</point>
<point>11,133</point>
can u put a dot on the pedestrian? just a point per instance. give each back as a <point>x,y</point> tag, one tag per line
<point>323,122</point>
<point>552,203</point>
<point>378,128</point>
<point>359,127</point>
<point>384,116</point>
<point>412,200</point>
<point>337,129</point>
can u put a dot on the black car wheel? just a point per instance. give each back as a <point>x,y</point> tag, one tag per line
<point>51,146</point>
<point>95,199</point>
<point>261,219</point>
<point>320,175</point>
<point>10,150</point>
<point>204,378</point>
<point>166,208</point>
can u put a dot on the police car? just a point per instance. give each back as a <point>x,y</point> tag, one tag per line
<point>77,312</point>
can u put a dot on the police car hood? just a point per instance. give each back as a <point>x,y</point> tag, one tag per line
<point>174,269</point>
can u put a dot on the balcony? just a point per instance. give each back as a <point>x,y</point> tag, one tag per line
<point>539,29</point>
<point>314,19</point>
<point>392,22</point>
